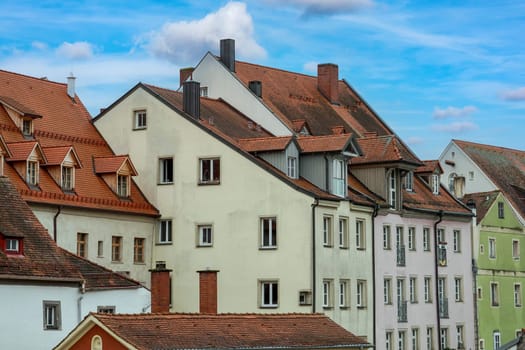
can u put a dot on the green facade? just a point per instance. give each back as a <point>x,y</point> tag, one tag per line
<point>498,311</point>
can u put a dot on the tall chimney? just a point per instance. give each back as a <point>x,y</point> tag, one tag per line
<point>191,94</point>
<point>208,291</point>
<point>327,78</point>
<point>71,86</point>
<point>160,288</point>
<point>256,87</point>
<point>184,74</point>
<point>228,53</point>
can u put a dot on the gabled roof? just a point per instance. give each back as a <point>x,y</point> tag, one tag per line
<point>328,143</point>
<point>265,144</point>
<point>65,122</point>
<point>20,151</point>
<point>430,166</point>
<point>222,331</point>
<point>3,148</point>
<point>113,164</point>
<point>483,202</point>
<point>504,166</point>
<point>42,259</point>
<point>18,107</point>
<point>56,155</point>
<point>385,149</point>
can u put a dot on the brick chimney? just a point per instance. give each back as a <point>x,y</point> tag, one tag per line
<point>160,288</point>
<point>327,78</point>
<point>191,98</point>
<point>71,86</point>
<point>184,74</point>
<point>227,47</point>
<point>208,291</point>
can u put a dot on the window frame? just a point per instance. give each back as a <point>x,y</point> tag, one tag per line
<point>496,339</point>
<point>339,177</point>
<point>67,178</point>
<point>343,232</point>
<point>166,173</point>
<point>516,249</point>
<point>27,127</point>
<point>140,119</point>
<point>443,337</point>
<point>501,210</point>
<point>343,297</point>
<point>409,181</point>
<point>412,238</point>
<point>456,238</point>
<point>492,248</point>
<point>82,244</point>
<point>435,184</point>
<point>138,250</point>
<point>327,231</point>
<point>360,234</point>
<point>517,295</point>
<point>361,294</point>
<point>427,289</point>
<point>458,289</point>
<point>54,321</point>
<point>412,290</point>
<point>273,288</point>
<point>209,178</point>
<point>116,249</point>
<point>460,336</point>
<point>272,232</point>
<point>8,245</point>
<point>414,338</point>
<point>291,163</point>
<point>401,339</point>
<point>106,309</point>
<point>327,294</point>
<point>494,294</point>
<point>388,340</point>
<point>32,172</point>
<point>427,244</point>
<point>201,228</point>
<point>387,237</point>
<point>387,291</point>
<point>392,189</point>
<point>123,184</point>
<point>430,338</point>
<point>100,249</point>
<point>165,232</point>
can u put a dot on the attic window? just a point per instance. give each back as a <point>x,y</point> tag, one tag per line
<point>435,184</point>
<point>67,178</point>
<point>140,121</point>
<point>13,246</point>
<point>27,127</point>
<point>32,173</point>
<point>409,181</point>
<point>123,185</point>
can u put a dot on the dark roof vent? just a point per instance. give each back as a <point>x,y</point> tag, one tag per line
<point>191,94</point>
<point>256,87</point>
<point>228,53</point>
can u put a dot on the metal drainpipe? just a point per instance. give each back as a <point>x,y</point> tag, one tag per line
<point>314,205</point>
<point>59,209</point>
<point>436,282</point>
<point>376,211</point>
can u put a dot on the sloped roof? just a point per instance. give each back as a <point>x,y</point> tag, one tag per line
<point>42,259</point>
<point>327,143</point>
<point>430,166</point>
<point>65,122</point>
<point>504,166</point>
<point>265,144</point>
<point>229,331</point>
<point>20,151</point>
<point>384,149</point>
<point>483,202</point>
<point>112,164</point>
<point>56,155</point>
<point>19,107</point>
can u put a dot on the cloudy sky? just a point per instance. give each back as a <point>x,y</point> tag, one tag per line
<point>433,70</point>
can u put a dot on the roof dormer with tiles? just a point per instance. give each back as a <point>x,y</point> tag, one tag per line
<point>22,116</point>
<point>62,161</point>
<point>116,172</point>
<point>27,157</point>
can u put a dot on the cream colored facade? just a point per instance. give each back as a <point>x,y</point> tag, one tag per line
<point>247,192</point>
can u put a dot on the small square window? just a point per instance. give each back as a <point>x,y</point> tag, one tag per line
<point>305,297</point>
<point>210,171</point>
<point>205,233</point>
<point>268,232</point>
<point>166,170</point>
<point>12,246</point>
<point>269,297</point>
<point>52,315</point>
<point>165,228</point>
<point>106,309</point>
<point>140,119</point>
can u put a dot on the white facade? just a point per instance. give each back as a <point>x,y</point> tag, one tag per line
<point>247,193</point>
<point>22,305</point>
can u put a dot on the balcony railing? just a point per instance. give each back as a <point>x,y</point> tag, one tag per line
<point>443,308</point>
<point>401,256</point>
<point>402,315</point>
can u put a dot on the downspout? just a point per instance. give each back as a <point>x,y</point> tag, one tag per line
<point>79,301</point>
<point>314,205</point>
<point>436,282</point>
<point>374,214</point>
<point>59,209</point>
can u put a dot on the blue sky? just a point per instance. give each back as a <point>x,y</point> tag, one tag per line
<point>433,70</point>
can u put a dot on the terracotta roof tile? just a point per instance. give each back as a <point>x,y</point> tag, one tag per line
<point>483,202</point>
<point>328,143</point>
<point>430,166</point>
<point>111,164</point>
<point>20,151</point>
<point>383,149</point>
<point>262,144</point>
<point>56,155</point>
<point>13,104</point>
<point>504,166</point>
<point>229,331</point>
<point>65,122</point>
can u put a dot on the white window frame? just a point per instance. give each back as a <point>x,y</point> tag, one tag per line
<point>443,337</point>
<point>501,210</point>
<point>268,289</point>
<point>457,241</point>
<point>100,249</point>
<point>208,178</point>
<point>27,127</point>
<point>401,340</point>
<point>32,172</point>
<point>360,235</point>
<point>165,231</point>
<point>412,238</point>
<point>492,248</point>
<point>415,338</point>
<point>426,239</point>
<point>427,289</point>
<point>327,231</point>
<point>517,295</point>
<point>435,183</point>
<point>515,249</point>
<point>460,337</point>
<point>343,232</point>
<point>388,340</point>
<point>267,225</point>
<point>123,185</point>
<point>387,236</point>
<point>412,289</point>
<point>52,315</point>
<point>292,167</point>
<point>205,235</point>
<point>166,173</point>
<point>343,293</point>
<point>339,177</point>
<point>458,289</point>
<point>430,338</point>
<point>494,294</point>
<point>387,291</point>
<point>140,120</point>
<point>67,178</point>
<point>409,181</point>
<point>392,188</point>
<point>327,293</point>
<point>496,338</point>
<point>361,294</point>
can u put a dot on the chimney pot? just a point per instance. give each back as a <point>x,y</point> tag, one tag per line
<point>71,86</point>
<point>227,47</point>
<point>191,95</point>
<point>327,80</point>
<point>185,74</point>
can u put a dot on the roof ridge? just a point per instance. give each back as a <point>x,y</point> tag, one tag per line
<point>33,78</point>
<point>280,70</point>
<point>488,146</point>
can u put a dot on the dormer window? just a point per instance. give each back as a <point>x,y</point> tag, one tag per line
<point>27,127</point>
<point>123,185</point>
<point>12,245</point>
<point>409,181</point>
<point>392,189</point>
<point>435,184</point>
<point>32,172</point>
<point>292,167</point>
<point>67,178</point>
<point>338,178</point>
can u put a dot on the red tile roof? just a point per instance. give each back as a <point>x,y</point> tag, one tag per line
<point>42,259</point>
<point>229,331</point>
<point>20,151</point>
<point>262,144</point>
<point>65,122</point>
<point>328,143</point>
<point>112,164</point>
<point>430,166</point>
<point>56,155</point>
<point>384,149</point>
<point>483,202</point>
<point>20,108</point>
<point>504,166</point>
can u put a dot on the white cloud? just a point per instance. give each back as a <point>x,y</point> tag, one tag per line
<point>185,42</point>
<point>327,7</point>
<point>455,127</point>
<point>415,140</point>
<point>453,112</point>
<point>76,51</point>
<point>514,95</point>
<point>310,67</point>
<point>39,45</point>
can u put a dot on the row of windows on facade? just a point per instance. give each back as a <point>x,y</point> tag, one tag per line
<point>268,233</point>
<point>399,341</point>
<point>269,294</point>
<point>496,339</point>
<point>116,248</point>
<point>492,248</point>
<point>52,314</point>
<point>495,294</point>
<point>412,238</point>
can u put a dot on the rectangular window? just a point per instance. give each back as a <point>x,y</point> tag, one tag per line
<point>165,227</point>
<point>401,340</point>
<point>52,315</point>
<point>166,170</point>
<point>501,210</point>
<point>116,248</point>
<point>413,289</point>
<point>441,235</point>
<point>482,344</point>
<point>457,241</point>
<point>409,181</point>
<point>497,340</point>
<point>327,293</point>
<point>67,178</point>
<point>12,245</point>
<point>205,235</point>
<point>443,338</point>
<point>269,232</point>
<point>392,189</point>
<point>388,340</point>
<point>100,249</point>
<point>430,338</point>
<point>361,294</point>
<point>460,336</point>
<point>338,178</point>
<point>327,231</point>
<point>27,127</point>
<point>411,238</point>
<point>82,241</point>
<point>343,232</point>
<point>292,167</point>
<point>123,185</point>
<point>343,293</point>
<point>427,289</point>
<point>435,184</point>
<point>426,239</point>
<point>415,339</point>
<point>458,289</point>
<point>138,250</point>
<point>269,294</point>
<point>387,291</point>
<point>492,248</point>
<point>515,249</point>
<point>140,121</point>
<point>360,234</point>
<point>106,309</point>
<point>305,297</point>
<point>210,171</point>
<point>479,293</point>
<point>32,173</point>
<point>517,295</point>
<point>494,294</point>
<point>386,237</point>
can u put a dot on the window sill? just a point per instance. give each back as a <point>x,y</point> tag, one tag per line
<point>204,245</point>
<point>360,248</point>
<point>328,245</point>
<point>116,262</point>
<point>268,306</point>
<point>209,183</point>
<point>137,128</point>
<point>344,307</point>
<point>361,307</point>
<point>164,183</point>
<point>268,248</point>
<point>343,247</point>
<point>164,243</point>
<point>328,307</point>
<point>139,263</point>
<point>52,329</point>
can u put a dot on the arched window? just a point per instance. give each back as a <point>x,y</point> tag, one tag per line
<point>96,342</point>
